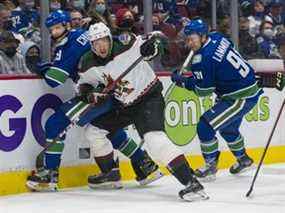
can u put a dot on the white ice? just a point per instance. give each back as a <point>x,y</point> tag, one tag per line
<point>227,195</point>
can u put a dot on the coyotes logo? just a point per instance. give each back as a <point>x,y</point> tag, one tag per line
<point>122,88</point>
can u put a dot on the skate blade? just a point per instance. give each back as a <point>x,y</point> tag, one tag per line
<point>208,179</point>
<point>41,187</point>
<point>246,169</point>
<point>108,185</point>
<point>151,178</point>
<point>195,196</point>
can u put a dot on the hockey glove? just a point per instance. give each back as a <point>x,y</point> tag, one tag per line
<point>150,49</point>
<point>178,79</point>
<point>83,92</point>
<point>97,98</point>
<point>42,68</point>
<point>182,81</point>
<point>280,81</point>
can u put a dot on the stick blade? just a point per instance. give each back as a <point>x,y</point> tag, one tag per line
<point>249,192</point>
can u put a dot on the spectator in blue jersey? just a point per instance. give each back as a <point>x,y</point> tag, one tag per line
<point>23,16</point>
<point>218,68</point>
<point>266,41</point>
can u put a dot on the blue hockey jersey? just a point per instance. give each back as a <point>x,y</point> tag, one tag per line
<point>21,19</point>
<point>66,59</point>
<point>218,67</point>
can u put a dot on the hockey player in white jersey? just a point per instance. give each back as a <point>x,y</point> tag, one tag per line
<point>138,97</point>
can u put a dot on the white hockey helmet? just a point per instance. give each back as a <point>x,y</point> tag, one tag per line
<point>97,31</point>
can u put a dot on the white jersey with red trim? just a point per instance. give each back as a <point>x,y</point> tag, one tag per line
<point>131,87</point>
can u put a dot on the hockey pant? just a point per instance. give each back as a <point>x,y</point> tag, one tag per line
<point>80,113</point>
<point>226,117</point>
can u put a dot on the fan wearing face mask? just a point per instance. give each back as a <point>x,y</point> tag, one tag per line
<point>11,62</point>
<point>266,41</point>
<point>99,12</point>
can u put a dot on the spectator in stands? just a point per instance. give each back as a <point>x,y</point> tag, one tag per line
<point>8,4</point>
<point>55,5</point>
<point>256,18</point>
<point>11,62</point>
<point>168,29</point>
<point>79,4</point>
<point>281,46</point>
<point>125,22</point>
<point>275,14</point>
<point>224,26</point>
<point>31,53</point>
<point>5,15</point>
<point>266,41</point>
<point>99,12</point>
<point>247,44</point>
<point>76,19</point>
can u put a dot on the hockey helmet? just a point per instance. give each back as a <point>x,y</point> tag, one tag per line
<point>196,26</point>
<point>97,31</point>
<point>57,17</point>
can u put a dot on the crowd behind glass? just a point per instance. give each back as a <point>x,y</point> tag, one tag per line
<point>261,26</point>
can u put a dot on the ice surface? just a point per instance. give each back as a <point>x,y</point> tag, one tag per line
<point>227,195</point>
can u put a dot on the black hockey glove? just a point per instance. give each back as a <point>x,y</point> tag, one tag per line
<point>150,49</point>
<point>280,81</point>
<point>89,94</point>
<point>271,80</point>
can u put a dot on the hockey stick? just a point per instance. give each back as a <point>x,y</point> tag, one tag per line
<point>109,89</point>
<point>265,150</point>
<point>183,68</point>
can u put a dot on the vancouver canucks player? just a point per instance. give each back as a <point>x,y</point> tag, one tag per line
<point>139,98</point>
<point>70,46</point>
<point>217,67</point>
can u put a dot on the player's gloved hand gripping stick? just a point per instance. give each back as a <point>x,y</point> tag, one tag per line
<point>183,69</point>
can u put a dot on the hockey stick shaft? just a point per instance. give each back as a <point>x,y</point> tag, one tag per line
<point>265,149</point>
<point>185,64</point>
<point>113,85</point>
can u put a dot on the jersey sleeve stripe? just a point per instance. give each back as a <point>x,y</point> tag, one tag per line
<point>56,75</point>
<point>60,70</point>
<point>242,93</point>
<point>204,91</point>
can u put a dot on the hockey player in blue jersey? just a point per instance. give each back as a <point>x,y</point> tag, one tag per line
<point>70,46</point>
<point>218,68</point>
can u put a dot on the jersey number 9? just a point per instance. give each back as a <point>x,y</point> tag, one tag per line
<point>238,63</point>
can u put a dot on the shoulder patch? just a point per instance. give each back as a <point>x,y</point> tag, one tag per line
<point>259,40</point>
<point>124,38</point>
<point>197,59</point>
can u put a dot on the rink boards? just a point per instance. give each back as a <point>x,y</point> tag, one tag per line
<point>26,102</point>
